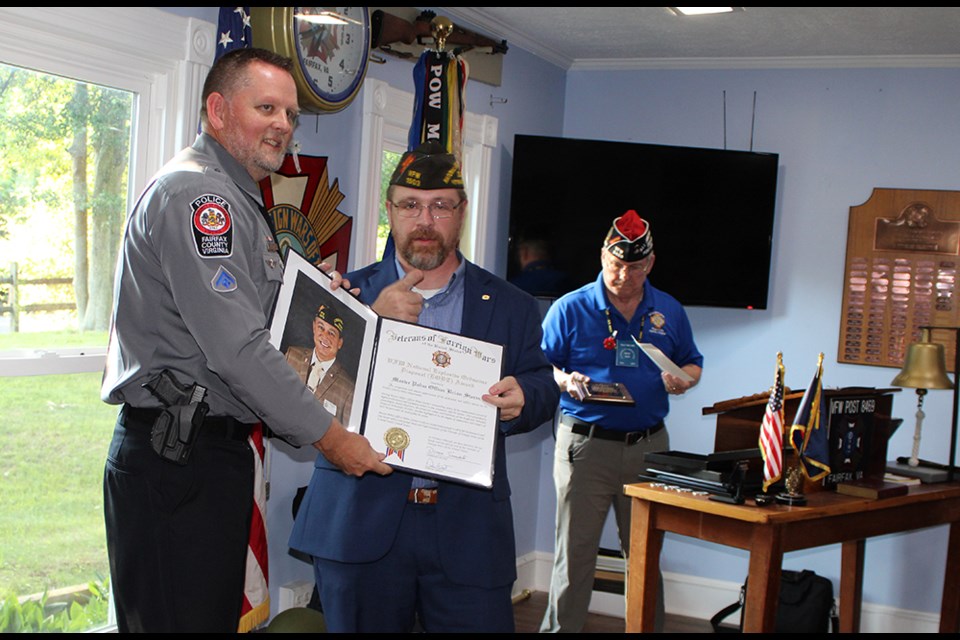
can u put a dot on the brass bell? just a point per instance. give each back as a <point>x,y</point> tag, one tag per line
<point>925,366</point>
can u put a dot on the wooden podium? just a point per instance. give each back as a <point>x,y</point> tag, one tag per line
<point>738,420</point>
<point>857,420</point>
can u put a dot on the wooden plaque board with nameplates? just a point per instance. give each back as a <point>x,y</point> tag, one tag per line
<point>903,255</point>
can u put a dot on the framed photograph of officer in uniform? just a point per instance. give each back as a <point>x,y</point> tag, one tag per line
<point>323,337</point>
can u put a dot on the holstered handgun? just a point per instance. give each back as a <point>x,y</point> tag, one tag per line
<point>175,429</point>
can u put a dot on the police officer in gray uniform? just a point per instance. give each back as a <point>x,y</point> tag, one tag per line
<point>191,363</point>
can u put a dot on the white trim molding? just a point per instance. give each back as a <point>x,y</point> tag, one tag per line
<point>700,598</point>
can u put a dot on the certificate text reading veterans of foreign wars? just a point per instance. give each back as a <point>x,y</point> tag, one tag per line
<point>425,405</point>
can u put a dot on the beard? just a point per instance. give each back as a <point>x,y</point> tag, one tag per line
<point>257,160</point>
<point>425,258</point>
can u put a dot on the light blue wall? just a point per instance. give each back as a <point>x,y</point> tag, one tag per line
<point>840,133</point>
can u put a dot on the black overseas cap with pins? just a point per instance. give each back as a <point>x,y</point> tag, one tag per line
<point>429,166</point>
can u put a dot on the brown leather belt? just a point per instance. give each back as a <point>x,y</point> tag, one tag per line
<point>137,419</point>
<point>596,431</point>
<point>423,496</point>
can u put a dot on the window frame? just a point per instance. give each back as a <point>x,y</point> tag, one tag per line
<point>386,125</point>
<point>165,72</point>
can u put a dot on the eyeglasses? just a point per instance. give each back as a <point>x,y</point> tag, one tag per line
<point>440,210</point>
<point>615,266</point>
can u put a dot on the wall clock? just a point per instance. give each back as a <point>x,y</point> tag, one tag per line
<point>329,47</point>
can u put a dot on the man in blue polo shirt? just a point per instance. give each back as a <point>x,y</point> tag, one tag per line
<point>589,334</point>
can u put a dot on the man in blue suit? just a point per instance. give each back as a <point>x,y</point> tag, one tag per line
<point>397,551</point>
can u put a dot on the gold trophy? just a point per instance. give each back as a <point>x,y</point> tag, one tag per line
<point>441,28</point>
<point>793,483</point>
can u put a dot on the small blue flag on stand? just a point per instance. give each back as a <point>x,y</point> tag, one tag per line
<point>808,435</point>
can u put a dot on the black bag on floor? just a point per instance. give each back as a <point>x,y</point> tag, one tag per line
<point>806,605</point>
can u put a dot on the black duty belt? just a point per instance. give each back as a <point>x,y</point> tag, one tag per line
<point>228,427</point>
<point>596,431</point>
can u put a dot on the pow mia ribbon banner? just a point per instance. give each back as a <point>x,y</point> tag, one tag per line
<point>439,80</point>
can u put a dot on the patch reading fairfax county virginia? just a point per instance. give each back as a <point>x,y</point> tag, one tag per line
<point>212,226</point>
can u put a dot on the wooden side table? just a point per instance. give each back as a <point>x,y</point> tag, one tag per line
<point>769,532</point>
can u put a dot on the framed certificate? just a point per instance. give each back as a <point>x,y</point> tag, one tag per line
<point>418,391</point>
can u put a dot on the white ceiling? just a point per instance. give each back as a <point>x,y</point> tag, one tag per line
<point>643,37</point>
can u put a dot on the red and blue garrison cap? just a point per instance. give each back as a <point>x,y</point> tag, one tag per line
<point>629,238</point>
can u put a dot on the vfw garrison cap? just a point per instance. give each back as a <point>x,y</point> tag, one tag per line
<point>429,166</point>
<point>629,238</point>
<point>328,316</point>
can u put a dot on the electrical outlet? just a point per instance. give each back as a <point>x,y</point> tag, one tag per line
<point>295,594</point>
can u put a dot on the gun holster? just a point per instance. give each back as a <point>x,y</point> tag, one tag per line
<point>176,428</point>
<point>175,431</point>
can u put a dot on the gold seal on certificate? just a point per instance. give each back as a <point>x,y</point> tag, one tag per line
<point>397,439</point>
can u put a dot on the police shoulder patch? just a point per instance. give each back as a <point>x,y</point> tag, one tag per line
<point>212,226</point>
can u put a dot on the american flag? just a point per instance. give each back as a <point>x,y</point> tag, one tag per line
<point>771,430</point>
<point>255,609</point>
<point>233,30</point>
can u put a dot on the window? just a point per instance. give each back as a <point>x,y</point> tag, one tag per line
<point>388,163</point>
<point>386,123</point>
<point>64,152</point>
<point>56,429</point>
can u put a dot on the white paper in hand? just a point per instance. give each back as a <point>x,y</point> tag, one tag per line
<point>661,360</point>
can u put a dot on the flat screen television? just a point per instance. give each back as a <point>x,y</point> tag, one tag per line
<point>711,213</point>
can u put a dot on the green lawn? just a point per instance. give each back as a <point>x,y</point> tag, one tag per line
<point>53,442</point>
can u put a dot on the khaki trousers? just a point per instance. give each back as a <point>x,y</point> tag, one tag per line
<point>589,474</point>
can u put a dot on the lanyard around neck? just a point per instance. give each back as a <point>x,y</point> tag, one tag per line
<point>610,342</point>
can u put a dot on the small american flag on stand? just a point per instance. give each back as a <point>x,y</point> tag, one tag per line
<point>771,430</point>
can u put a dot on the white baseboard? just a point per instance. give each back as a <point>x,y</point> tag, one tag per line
<point>696,597</point>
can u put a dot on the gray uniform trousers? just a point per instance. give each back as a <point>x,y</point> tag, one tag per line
<point>589,474</point>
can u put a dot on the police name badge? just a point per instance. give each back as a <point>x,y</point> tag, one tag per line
<point>212,226</point>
